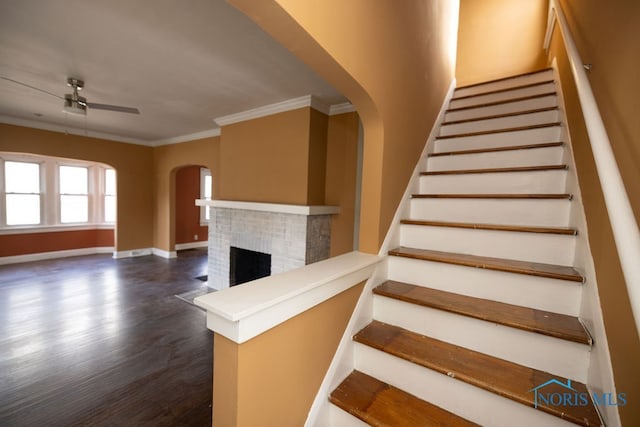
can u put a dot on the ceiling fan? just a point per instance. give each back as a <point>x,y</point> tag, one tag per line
<point>76,104</point>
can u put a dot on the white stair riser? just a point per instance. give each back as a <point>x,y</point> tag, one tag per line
<point>534,247</point>
<point>503,96</point>
<point>502,108</point>
<point>533,212</point>
<point>340,418</point>
<point>465,400</point>
<point>559,357</point>
<point>504,84</point>
<point>501,123</point>
<point>529,182</point>
<point>500,139</point>
<point>511,288</point>
<point>512,158</point>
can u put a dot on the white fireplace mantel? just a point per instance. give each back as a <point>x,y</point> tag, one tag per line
<point>270,207</point>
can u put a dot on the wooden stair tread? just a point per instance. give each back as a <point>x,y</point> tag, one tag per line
<point>500,116</point>
<point>505,130</point>
<point>380,404</point>
<point>515,76</point>
<point>497,149</point>
<point>499,264</point>
<point>507,379</point>
<point>498,227</point>
<point>507,89</point>
<point>492,196</point>
<point>543,322</point>
<point>506,101</point>
<point>497,170</point>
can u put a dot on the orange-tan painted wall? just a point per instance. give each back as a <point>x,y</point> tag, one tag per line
<point>133,164</point>
<point>167,160</point>
<point>616,87</point>
<point>340,187</point>
<point>30,243</point>
<point>278,159</point>
<point>187,213</point>
<point>499,38</point>
<point>393,60</point>
<point>272,379</point>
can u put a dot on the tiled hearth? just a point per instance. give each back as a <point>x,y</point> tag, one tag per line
<point>293,235</point>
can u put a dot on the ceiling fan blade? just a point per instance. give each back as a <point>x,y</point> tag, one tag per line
<point>116,108</point>
<point>31,87</point>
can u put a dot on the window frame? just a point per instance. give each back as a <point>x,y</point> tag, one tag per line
<point>50,205</point>
<point>88,194</point>
<point>4,193</point>
<point>204,172</point>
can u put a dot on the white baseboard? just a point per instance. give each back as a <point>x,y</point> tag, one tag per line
<point>191,245</point>
<point>132,253</point>
<point>15,259</point>
<point>164,254</point>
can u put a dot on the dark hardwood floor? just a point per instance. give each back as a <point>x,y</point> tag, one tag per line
<point>100,342</point>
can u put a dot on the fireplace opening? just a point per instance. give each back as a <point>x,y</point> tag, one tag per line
<point>246,265</point>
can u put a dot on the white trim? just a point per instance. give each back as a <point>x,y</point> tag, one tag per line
<point>164,254</point>
<point>278,107</point>
<point>241,313</point>
<point>191,245</point>
<point>54,254</point>
<point>345,107</point>
<point>132,253</point>
<point>54,228</point>
<point>186,138</point>
<point>270,207</point>
<point>623,223</point>
<point>341,364</point>
<point>266,110</point>
<point>591,307</point>
<point>71,130</point>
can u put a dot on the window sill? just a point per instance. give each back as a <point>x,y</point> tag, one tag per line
<point>29,229</point>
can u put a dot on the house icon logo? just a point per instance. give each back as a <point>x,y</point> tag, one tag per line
<point>536,390</point>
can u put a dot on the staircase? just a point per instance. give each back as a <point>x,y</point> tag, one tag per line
<point>479,309</point>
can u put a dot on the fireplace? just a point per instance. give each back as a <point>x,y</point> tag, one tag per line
<point>246,265</point>
<point>292,235</point>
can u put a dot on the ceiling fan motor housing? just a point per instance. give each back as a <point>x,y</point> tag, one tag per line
<point>74,103</point>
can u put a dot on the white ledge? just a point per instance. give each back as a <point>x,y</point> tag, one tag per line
<point>243,312</point>
<point>270,207</point>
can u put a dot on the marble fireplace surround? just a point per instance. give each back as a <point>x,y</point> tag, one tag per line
<point>294,235</point>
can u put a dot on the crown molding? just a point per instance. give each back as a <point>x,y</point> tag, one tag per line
<point>280,107</point>
<point>265,110</point>
<point>345,107</point>
<point>186,138</point>
<point>71,130</point>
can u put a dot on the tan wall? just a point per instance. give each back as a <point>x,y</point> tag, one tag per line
<point>608,36</point>
<point>167,160</point>
<point>267,159</point>
<point>394,60</point>
<point>613,87</point>
<point>317,159</point>
<point>340,187</point>
<point>133,164</point>
<point>499,38</point>
<point>272,379</point>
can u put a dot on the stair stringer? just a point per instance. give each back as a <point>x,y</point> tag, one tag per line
<point>600,371</point>
<point>343,361</point>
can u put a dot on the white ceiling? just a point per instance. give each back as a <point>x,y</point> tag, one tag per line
<point>181,63</point>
